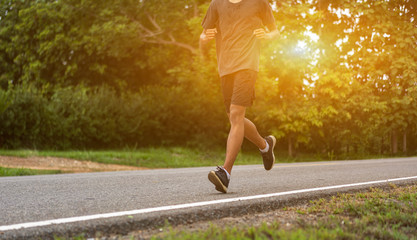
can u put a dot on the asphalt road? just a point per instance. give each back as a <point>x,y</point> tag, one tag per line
<point>40,198</point>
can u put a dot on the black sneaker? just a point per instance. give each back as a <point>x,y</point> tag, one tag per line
<point>268,157</point>
<point>219,179</point>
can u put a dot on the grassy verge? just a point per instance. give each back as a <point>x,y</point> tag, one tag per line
<point>149,157</point>
<point>389,213</point>
<point>163,157</point>
<point>8,172</point>
<point>378,214</point>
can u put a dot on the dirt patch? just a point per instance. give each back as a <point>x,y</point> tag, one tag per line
<point>63,164</point>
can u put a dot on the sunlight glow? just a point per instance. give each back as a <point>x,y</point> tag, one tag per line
<point>301,47</point>
<point>313,36</point>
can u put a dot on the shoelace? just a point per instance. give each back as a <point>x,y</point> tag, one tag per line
<point>222,171</point>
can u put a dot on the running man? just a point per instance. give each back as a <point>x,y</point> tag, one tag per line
<point>238,27</point>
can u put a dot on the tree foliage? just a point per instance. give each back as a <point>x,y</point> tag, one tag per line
<point>340,79</point>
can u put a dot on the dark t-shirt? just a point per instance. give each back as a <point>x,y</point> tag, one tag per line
<point>237,47</point>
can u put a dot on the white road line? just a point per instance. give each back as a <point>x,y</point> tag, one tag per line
<point>187,205</point>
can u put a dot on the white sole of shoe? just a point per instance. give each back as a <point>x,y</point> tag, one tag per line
<point>217,182</point>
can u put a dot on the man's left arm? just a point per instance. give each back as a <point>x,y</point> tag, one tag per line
<point>261,33</point>
<point>268,21</point>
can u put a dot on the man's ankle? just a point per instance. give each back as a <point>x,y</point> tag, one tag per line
<point>266,149</point>
<point>227,172</point>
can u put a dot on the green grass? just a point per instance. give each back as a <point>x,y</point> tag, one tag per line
<point>174,157</point>
<point>8,172</point>
<point>389,213</point>
<point>164,157</point>
<point>378,214</point>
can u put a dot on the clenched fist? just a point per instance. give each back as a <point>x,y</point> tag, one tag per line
<point>208,34</point>
<point>261,33</point>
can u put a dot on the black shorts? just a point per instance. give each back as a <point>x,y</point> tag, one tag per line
<point>239,88</point>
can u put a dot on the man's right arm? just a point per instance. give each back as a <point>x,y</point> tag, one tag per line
<point>205,37</point>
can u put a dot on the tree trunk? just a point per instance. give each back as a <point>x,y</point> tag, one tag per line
<point>394,142</point>
<point>381,147</point>
<point>290,147</point>
<point>405,142</point>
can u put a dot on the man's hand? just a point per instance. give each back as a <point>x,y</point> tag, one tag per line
<point>205,37</point>
<point>262,34</point>
<point>208,34</point>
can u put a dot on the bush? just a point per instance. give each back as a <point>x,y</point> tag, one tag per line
<point>96,118</point>
<point>27,120</point>
<point>87,117</point>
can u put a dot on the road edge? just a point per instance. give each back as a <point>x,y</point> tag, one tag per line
<point>126,224</point>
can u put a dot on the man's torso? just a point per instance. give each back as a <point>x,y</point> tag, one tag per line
<point>237,46</point>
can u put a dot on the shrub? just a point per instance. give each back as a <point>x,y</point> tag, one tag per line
<point>27,120</point>
<point>94,118</point>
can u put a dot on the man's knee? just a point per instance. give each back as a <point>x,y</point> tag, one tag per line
<point>237,114</point>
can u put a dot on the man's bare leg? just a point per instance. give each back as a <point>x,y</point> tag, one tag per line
<point>240,128</point>
<point>236,135</point>
<point>235,139</point>
<point>252,134</point>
